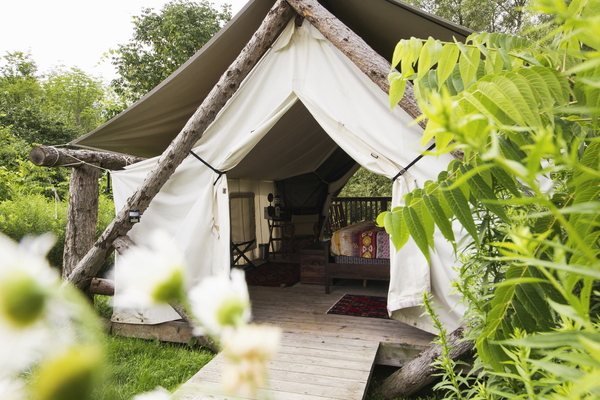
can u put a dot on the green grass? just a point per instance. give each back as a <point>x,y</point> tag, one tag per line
<point>135,366</point>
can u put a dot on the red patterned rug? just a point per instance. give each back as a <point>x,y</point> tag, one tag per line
<point>361,306</point>
<point>274,274</point>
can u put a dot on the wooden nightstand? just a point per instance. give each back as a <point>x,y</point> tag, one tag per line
<point>312,263</point>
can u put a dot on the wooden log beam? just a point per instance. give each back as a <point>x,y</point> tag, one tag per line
<point>48,156</point>
<point>356,49</point>
<point>178,150</point>
<point>101,286</point>
<point>82,216</point>
<point>418,373</point>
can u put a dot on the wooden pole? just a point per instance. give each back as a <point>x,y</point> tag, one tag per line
<point>82,216</point>
<point>356,49</point>
<point>418,373</point>
<point>178,150</point>
<point>48,156</point>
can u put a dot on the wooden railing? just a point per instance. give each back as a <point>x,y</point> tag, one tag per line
<point>362,208</point>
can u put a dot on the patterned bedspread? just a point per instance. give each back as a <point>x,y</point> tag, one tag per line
<point>362,239</point>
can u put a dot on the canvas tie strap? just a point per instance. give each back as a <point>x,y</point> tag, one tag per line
<point>413,162</point>
<point>209,166</point>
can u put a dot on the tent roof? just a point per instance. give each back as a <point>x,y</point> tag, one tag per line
<point>147,127</point>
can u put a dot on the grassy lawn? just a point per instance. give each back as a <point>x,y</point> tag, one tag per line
<point>135,366</point>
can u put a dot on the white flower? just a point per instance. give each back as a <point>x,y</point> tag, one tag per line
<point>218,302</point>
<point>249,349</point>
<point>12,389</point>
<point>157,394</point>
<point>152,274</point>
<point>27,284</point>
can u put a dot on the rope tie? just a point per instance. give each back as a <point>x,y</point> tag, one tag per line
<point>220,173</point>
<point>413,162</point>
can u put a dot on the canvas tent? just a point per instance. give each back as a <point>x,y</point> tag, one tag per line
<point>304,109</point>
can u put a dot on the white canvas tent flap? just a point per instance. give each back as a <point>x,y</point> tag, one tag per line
<point>349,108</point>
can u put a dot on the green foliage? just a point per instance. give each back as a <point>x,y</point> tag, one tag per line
<point>162,42</point>
<point>521,112</point>
<point>367,184</point>
<point>511,16</point>
<point>135,366</point>
<point>33,215</point>
<point>75,98</point>
<point>49,110</point>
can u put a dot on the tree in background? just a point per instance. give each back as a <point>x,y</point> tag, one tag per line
<point>74,97</point>
<point>503,16</point>
<point>162,42</point>
<point>365,183</point>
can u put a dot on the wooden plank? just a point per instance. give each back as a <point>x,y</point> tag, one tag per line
<point>291,351</point>
<point>213,391</point>
<point>174,331</point>
<point>315,370</point>
<point>289,386</point>
<point>283,374</point>
<point>295,382</point>
<point>396,355</point>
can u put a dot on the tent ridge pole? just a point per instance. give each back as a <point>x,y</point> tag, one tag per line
<point>273,24</point>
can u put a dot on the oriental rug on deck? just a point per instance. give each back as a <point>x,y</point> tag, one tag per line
<point>361,306</point>
<point>275,274</point>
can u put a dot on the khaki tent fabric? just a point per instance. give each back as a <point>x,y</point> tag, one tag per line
<point>146,128</point>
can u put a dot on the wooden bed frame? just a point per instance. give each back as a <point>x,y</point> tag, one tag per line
<point>354,271</point>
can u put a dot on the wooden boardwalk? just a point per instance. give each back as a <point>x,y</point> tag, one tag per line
<point>322,356</point>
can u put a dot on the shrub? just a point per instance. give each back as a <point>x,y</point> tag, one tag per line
<point>33,215</point>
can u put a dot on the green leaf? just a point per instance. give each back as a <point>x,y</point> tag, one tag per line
<point>439,216</point>
<point>468,64</point>
<point>484,193</point>
<point>535,305</point>
<point>460,207</point>
<point>447,62</point>
<point>397,88</point>
<point>522,318</point>
<point>503,295</point>
<point>430,54</point>
<point>417,232</point>
<point>425,218</point>
<point>506,181</point>
<point>550,340</point>
<point>506,96</point>
<point>396,228</point>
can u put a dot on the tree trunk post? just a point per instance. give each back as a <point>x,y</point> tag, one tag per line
<point>82,216</point>
<point>418,372</point>
<point>178,150</point>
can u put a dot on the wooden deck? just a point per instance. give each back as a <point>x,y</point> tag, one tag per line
<point>322,356</point>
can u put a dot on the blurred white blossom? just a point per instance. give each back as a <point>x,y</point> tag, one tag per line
<point>12,389</point>
<point>151,274</point>
<point>27,284</point>
<point>248,349</point>
<point>219,302</point>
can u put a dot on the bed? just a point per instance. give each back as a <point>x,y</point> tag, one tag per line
<point>359,251</point>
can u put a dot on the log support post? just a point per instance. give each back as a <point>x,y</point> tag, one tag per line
<point>418,372</point>
<point>82,216</point>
